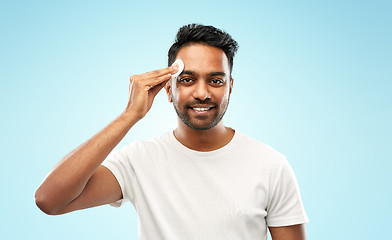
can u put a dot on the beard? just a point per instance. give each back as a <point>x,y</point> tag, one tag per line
<point>201,122</point>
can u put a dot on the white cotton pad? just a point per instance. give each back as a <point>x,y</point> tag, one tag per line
<point>180,65</point>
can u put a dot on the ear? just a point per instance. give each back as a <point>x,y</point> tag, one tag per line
<point>231,85</point>
<point>168,91</point>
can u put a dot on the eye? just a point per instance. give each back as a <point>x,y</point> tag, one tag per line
<point>186,80</point>
<point>217,82</point>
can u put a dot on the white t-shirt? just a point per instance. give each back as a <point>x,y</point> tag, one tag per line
<point>232,193</point>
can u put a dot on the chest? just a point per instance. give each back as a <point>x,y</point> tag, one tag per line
<point>232,193</point>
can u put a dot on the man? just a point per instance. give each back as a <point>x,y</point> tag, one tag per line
<point>201,181</point>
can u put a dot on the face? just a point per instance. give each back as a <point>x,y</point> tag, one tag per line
<point>200,95</point>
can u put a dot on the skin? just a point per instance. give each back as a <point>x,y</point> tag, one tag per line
<point>79,181</point>
<point>204,82</point>
<point>294,232</point>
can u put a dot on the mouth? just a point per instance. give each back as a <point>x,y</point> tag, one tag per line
<point>201,109</point>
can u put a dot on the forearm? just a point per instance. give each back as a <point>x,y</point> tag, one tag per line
<point>69,177</point>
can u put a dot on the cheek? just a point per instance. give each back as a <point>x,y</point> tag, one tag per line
<point>174,91</point>
<point>179,94</point>
<point>225,95</point>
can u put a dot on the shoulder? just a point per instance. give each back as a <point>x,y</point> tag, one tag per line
<point>251,146</point>
<point>152,145</point>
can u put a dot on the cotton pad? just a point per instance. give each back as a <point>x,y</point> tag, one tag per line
<point>180,65</point>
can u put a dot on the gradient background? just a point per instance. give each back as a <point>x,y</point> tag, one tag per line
<point>312,79</point>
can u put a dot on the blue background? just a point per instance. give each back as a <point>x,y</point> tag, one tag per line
<point>312,79</point>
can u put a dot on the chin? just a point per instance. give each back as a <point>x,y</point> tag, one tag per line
<point>201,126</point>
<point>200,123</point>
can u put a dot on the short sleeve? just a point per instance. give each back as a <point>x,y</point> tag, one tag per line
<point>285,205</point>
<point>120,164</point>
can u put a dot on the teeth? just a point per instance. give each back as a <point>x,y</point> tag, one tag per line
<point>201,109</point>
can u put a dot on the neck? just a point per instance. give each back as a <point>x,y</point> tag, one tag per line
<point>203,140</point>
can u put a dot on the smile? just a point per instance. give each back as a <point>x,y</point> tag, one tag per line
<point>201,109</point>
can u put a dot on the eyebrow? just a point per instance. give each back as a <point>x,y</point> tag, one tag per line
<point>212,74</point>
<point>189,72</point>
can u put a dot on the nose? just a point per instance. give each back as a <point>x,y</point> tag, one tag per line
<point>201,91</point>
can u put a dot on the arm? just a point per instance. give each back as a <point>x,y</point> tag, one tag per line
<point>79,181</point>
<point>294,232</point>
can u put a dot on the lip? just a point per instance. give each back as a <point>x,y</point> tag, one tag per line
<point>201,110</point>
<point>201,106</point>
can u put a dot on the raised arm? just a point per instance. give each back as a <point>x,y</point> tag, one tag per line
<point>79,181</point>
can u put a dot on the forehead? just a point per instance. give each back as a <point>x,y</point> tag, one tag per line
<point>204,59</point>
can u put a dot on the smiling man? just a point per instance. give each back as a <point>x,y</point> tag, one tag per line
<point>200,97</point>
<point>201,181</point>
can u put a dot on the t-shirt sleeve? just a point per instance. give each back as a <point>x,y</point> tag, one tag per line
<point>119,162</point>
<point>285,205</point>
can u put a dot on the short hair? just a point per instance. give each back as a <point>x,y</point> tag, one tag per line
<point>209,35</point>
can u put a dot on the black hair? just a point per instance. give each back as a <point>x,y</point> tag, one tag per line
<point>209,35</point>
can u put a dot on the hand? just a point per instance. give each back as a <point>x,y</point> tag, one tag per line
<point>144,87</point>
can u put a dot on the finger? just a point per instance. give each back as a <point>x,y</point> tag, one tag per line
<point>161,72</point>
<point>158,80</point>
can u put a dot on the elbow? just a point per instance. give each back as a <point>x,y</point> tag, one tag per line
<point>44,203</point>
